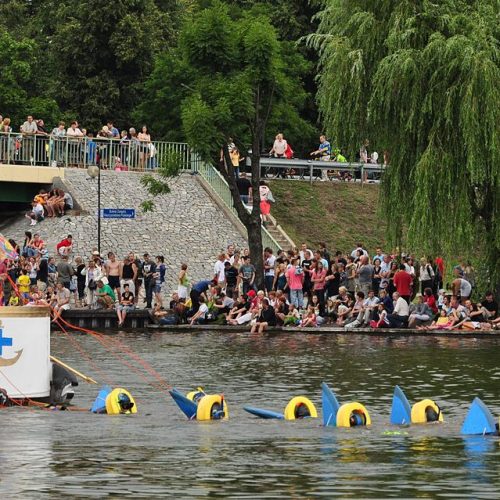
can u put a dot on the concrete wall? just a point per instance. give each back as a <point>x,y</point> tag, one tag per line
<point>186,226</point>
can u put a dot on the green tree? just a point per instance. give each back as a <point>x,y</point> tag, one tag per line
<point>230,76</point>
<point>421,80</point>
<point>100,54</point>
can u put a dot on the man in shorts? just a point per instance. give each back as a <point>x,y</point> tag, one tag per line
<point>113,267</point>
<point>62,301</point>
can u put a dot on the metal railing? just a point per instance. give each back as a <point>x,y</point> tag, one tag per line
<point>220,187</point>
<point>81,152</point>
<point>319,170</point>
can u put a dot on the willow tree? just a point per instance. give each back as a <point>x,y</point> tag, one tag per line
<point>421,80</point>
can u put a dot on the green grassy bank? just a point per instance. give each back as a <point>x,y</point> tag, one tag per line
<point>341,214</point>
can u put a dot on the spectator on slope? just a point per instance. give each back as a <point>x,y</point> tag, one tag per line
<point>65,246</point>
<point>236,159</point>
<point>36,214</point>
<point>244,187</point>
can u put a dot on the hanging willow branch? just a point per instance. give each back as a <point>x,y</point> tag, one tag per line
<point>421,80</point>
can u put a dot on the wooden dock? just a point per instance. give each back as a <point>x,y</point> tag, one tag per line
<point>140,319</point>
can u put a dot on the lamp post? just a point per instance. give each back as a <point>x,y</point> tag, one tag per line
<point>94,171</point>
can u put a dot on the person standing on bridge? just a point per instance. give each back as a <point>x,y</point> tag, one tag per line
<point>323,153</point>
<point>279,147</point>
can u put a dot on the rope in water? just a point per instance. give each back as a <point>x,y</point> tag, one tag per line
<point>116,347</point>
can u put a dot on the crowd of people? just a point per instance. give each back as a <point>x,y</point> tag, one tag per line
<point>75,146</point>
<point>301,288</point>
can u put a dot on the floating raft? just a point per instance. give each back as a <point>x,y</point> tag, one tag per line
<point>140,318</point>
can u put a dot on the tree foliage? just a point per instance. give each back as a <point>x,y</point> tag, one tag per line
<point>421,80</point>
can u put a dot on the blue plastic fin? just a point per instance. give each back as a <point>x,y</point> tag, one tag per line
<point>99,405</point>
<point>479,420</point>
<point>401,409</point>
<point>187,406</point>
<point>258,412</point>
<point>330,405</point>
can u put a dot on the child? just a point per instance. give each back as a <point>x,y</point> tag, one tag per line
<point>442,323</point>
<point>293,316</point>
<point>23,284</point>
<point>309,318</point>
<point>382,321</point>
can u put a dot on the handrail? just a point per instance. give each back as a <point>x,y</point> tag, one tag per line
<point>221,189</point>
<point>318,169</point>
<point>81,152</point>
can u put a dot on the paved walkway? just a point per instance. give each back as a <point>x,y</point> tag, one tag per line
<point>186,226</point>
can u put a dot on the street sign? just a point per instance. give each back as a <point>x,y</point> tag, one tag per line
<point>118,213</point>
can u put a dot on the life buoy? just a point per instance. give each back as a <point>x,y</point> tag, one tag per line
<point>119,401</point>
<point>195,396</point>
<point>426,411</point>
<point>352,415</point>
<point>212,407</point>
<point>300,407</point>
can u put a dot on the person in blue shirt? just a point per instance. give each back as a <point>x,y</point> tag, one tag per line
<point>159,275</point>
<point>323,153</point>
<point>198,290</point>
<point>324,150</point>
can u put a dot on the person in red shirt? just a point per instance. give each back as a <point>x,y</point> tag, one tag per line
<point>431,300</point>
<point>403,281</point>
<point>65,246</point>
<point>440,265</point>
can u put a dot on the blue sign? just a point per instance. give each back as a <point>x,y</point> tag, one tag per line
<point>118,213</point>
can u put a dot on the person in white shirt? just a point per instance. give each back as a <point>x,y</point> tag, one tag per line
<point>219,270</point>
<point>269,263</point>
<point>399,317</point>
<point>304,252</point>
<point>279,147</point>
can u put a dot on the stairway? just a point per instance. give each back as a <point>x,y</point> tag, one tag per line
<point>279,235</point>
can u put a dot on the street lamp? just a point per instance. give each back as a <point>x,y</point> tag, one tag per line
<point>94,171</point>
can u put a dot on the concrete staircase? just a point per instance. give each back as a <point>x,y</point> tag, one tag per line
<point>279,234</point>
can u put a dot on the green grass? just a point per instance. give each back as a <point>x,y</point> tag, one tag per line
<point>341,214</point>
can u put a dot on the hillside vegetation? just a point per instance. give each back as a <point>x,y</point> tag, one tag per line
<point>341,214</point>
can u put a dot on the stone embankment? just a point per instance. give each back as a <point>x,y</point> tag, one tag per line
<point>186,225</point>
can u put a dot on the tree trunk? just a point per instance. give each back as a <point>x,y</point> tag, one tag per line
<point>251,221</point>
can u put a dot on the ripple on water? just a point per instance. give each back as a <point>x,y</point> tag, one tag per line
<point>158,453</point>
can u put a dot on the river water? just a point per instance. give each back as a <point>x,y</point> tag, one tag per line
<point>158,453</point>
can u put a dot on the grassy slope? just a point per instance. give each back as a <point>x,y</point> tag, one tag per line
<point>341,214</point>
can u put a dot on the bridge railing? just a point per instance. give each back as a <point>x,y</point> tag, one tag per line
<point>81,152</point>
<point>319,170</point>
